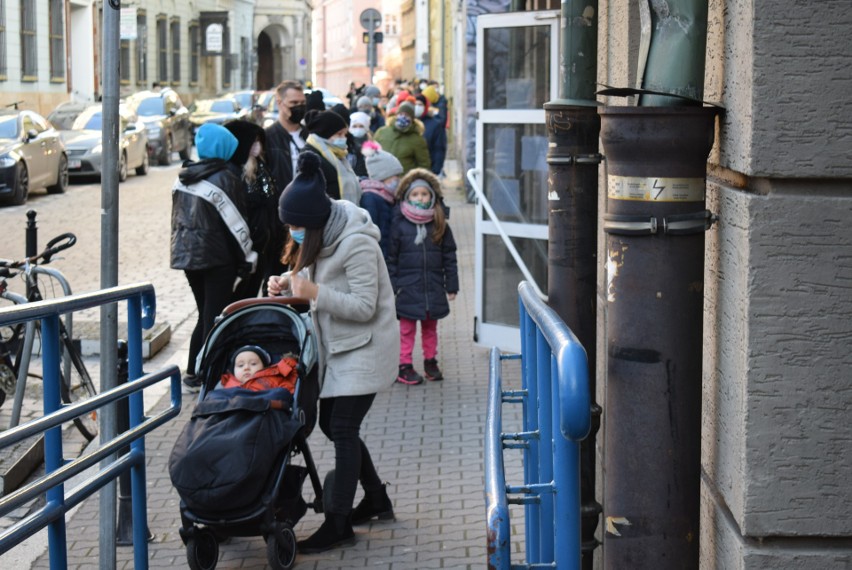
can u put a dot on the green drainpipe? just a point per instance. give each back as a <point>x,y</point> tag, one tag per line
<point>675,50</point>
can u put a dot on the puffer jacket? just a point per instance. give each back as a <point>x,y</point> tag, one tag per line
<point>200,239</point>
<point>409,147</point>
<point>353,314</point>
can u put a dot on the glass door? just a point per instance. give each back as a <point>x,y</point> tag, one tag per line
<point>517,71</point>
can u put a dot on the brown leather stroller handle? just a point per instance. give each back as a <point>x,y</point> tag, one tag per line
<point>237,305</point>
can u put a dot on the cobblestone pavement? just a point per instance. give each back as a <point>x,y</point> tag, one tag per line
<point>426,440</point>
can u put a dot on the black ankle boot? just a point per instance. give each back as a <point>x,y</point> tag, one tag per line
<point>335,531</point>
<point>376,504</point>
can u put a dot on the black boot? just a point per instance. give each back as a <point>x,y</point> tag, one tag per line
<point>375,503</point>
<point>335,531</point>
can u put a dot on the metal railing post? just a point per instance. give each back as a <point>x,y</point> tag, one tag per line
<point>53,457</point>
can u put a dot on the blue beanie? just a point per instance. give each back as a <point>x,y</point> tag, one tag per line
<point>215,141</point>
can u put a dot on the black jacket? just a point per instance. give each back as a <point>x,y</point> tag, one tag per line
<point>279,154</point>
<point>423,274</point>
<point>200,238</point>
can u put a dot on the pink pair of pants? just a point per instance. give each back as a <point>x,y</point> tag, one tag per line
<point>407,333</point>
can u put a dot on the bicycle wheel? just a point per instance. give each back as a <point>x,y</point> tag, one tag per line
<point>78,386</point>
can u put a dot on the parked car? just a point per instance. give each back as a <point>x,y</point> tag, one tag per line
<point>32,155</point>
<point>245,99</point>
<point>64,115</point>
<point>166,122</point>
<point>217,111</point>
<point>271,116</point>
<point>83,143</point>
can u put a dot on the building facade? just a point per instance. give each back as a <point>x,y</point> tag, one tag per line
<point>50,50</point>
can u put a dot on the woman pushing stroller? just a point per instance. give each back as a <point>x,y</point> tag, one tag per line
<point>352,307</point>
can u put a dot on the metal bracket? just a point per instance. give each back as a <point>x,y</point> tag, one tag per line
<point>594,158</point>
<point>686,224</point>
<point>675,225</point>
<point>629,225</point>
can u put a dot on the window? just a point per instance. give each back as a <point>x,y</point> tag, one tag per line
<point>162,50</point>
<point>141,49</point>
<point>124,62</point>
<point>174,31</point>
<point>226,57</point>
<point>56,14</point>
<point>245,63</point>
<point>390,25</point>
<point>29,63</point>
<point>193,53</point>
<point>2,40</point>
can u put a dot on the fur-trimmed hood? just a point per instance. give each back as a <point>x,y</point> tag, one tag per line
<point>421,173</point>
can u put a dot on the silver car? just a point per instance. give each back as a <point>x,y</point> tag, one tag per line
<point>83,144</point>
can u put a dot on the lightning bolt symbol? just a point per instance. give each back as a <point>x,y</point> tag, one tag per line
<point>660,188</point>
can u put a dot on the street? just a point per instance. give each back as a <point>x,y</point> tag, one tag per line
<point>144,222</point>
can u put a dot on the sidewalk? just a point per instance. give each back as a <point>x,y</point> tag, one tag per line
<point>426,441</point>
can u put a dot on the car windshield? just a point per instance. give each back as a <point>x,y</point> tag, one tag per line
<point>150,106</point>
<point>9,127</point>
<point>214,107</point>
<point>89,121</point>
<point>244,99</point>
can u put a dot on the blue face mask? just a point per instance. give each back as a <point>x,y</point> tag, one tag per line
<point>297,235</point>
<point>403,122</point>
<point>338,143</point>
<point>392,185</point>
<point>375,100</point>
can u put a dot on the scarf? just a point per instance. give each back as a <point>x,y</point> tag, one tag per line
<point>378,187</point>
<point>419,217</point>
<point>335,224</point>
<point>347,180</point>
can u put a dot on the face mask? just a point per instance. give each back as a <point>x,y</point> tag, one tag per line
<point>338,142</point>
<point>255,150</point>
<point>297,113</point>
<point>420,205</point>
<point>392,185</point>
<point>297,235</point>
<point>375,100</point>
<point>403,122</point>
<point>358,132</point>
<point>422,86</point>
<point>418,110</point>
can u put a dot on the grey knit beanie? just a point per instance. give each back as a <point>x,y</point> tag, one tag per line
<point>382,165</point>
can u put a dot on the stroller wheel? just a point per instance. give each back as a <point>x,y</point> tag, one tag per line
<point>281,547</point>
<point>202,550</point>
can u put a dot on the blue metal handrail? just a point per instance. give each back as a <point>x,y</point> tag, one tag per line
<point>555,400</point>
<point>141,311</point>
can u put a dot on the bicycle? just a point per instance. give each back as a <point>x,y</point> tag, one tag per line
<point>75,381</point>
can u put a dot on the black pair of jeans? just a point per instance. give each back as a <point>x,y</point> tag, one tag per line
<point>213,290</point>
<point>340,420</point>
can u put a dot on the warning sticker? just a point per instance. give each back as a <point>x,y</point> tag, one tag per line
<point>648,189</point>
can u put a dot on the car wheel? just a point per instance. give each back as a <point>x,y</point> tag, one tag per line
<point>142,169</point>
<point>122,167</point>
<point>166,156</point>
<point>22,185</point>
<point>61,177</point>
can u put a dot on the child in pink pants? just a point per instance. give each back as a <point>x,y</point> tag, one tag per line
<point>423,270</point>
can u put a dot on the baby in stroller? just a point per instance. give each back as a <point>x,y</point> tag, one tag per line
<point>232,464</point>
<point>251,369</point>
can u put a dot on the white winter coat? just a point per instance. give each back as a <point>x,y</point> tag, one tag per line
<point>354,314</point>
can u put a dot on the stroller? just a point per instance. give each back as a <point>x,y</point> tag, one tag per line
<point>232,463</point>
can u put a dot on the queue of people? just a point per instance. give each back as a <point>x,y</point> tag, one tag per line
<point>344,208</point>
